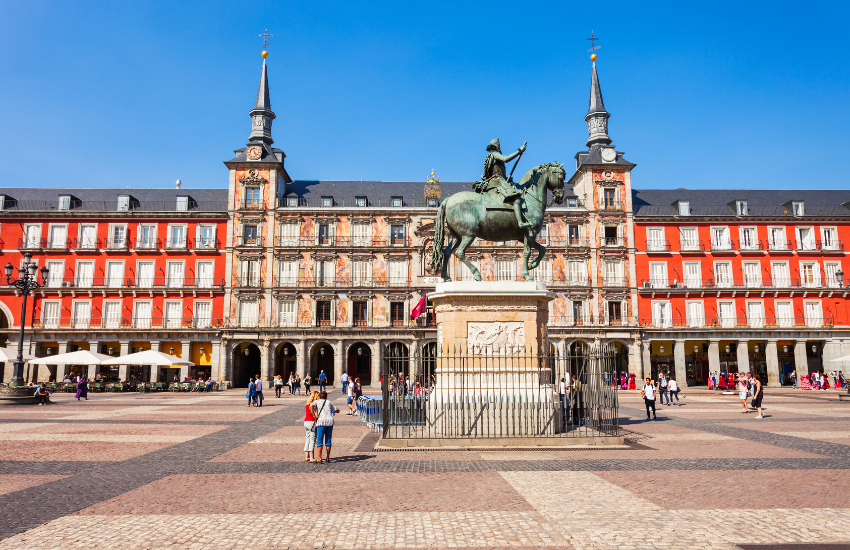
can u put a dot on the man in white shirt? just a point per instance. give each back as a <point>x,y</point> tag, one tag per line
<point>259,387</point>
<point>648,392</point>
<point>344,380</point>
<point>673,388</point>
<point>662,385</point>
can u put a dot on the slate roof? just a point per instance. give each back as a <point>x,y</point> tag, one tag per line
<point>594,156</point>
<point>106,200</point>
<point>721,202</point>
<point>378,193</point>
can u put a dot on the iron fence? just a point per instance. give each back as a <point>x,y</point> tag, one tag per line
<point>461,395</point>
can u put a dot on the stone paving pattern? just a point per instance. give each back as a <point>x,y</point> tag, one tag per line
<point>193,471</point>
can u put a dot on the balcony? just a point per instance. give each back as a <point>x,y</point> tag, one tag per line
<point>107,283</point>
<point>146,245</point>
<point>780,246</point>
<point>56,245</point>
<point>566,242</point>
<point>750,246</point>
<point>346,242</point>
<point>722,245</point>
<point>177,244</point>
<point>31,244</point>
<point>614,282</point>
<point>250,241</point>
<point>117,243</point>
<point>691,246</point>
<point>720,323</point>
<point>613,242</point>
<point>657,246</point>
<point>608,204</point>
<point>128,323</point>
<point>343,282</point>
<point>86,245</point>
<point>830,246</point>
<point>205,244</point>
<point>745,283</point>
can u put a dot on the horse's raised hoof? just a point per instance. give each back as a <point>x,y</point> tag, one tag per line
<point>477,277</point>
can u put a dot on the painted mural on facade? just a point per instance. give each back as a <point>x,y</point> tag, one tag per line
<point>342,310</point>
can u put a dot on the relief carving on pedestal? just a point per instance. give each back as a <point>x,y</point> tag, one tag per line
<point>495,337</point>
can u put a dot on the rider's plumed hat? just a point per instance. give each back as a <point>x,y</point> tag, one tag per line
<point>494,145</point>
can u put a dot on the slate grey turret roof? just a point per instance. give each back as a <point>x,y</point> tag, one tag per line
<point>596,105</point>
<point>721,202</point>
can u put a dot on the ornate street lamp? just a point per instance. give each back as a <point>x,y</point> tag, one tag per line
<point>27,281</point>
<point>839,277</point>
<point>171,350</point>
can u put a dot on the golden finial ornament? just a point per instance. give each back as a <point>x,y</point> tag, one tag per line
<point>265,54</point>
<point>433,190</point>
<point>592,56</point>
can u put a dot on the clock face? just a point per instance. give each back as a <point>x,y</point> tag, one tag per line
<point>254,152</point>
<point>609,155</point>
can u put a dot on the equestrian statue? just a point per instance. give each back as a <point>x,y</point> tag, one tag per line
<point>498,209</point>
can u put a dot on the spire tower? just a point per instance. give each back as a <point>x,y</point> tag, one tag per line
<point>262,114</point>
<point>597,116</point>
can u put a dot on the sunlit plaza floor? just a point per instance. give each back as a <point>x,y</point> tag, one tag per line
<point>189,471</point>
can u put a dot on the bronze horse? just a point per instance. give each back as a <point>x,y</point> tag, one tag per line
<point>468,215</point>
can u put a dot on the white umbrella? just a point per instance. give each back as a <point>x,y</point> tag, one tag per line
<point>845,358</point>
<point>148,357</point>
<point>9,354</point>
<point>81,357</point>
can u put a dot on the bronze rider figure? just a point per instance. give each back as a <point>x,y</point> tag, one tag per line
<point>495,177</point>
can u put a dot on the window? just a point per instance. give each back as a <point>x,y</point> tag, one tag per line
<point>361,234</point>
<point>173,314</point>
<point>543,272</point>
<point>776,238</point>
<point>752,274</point>
<point>813,313</point>
<point>655,239</point>
<point>755,314</point>
<point>32,237</point>
<point>696,313</point>
<point>85,274</point>
<point>748,236</point>
<point>830,271</point>
<point>614,273</point>
<point>397,202</point>
<point>741,208</point>
<point>723,274</point>
<point>176,236</point>
<point>182,204</point>
<point>806,238</point>
<point>693,274</point>
<point>361,273</point>
<point>797,208</point>
<point>324,271</point>
<point>543,236</point>
<point>50,314</point>
<point>398,273</point>
<point>615,313</point>
<point>145,274</point>
<point>612,235</point>
<point>657,274</point>
<point>88,236</point>
<point>114,274</point>
<point>360,311</point>
<point>327,202</point>
<point>175,274</point>
<point>55,273</point>
<point>123,203</point>
<point>204,271</point>
<point>726,314</point>
<point>784,314</point>
<point>684,208</point>
<point>206,237</point>
<point>577,311</point>
<point>288,234</point>
<point>574,235</point>
<point>577,273</point>
<point>464,272</point>
<point>781,274</point>
<point>809,274</point>
<point>432,203</point>
<point>505,270</point>
<point>58,237</point>
<point>288,274</point>
<point>361,202</point>
<point>146,237</point>
<point>720,239</point>
<point>829,238</point>
<point>287,313</point>
<point>252,197</point>
<point>249,234</point>
<point>689,240</point>
<point>249,273</point>
<point>572,202</point>
<point>81,314</point>
<point>142,314</point>
<point>249,313</point>
<point>64,202</point>
<point>323,313</point>
<point>203,314</point>
<point>662,314</point>
<point>112,314</point>
<point>117,236</point>
<point>610,198</point>
<point>397,314</point>
<point>292,202</point>
<point>397,234</point>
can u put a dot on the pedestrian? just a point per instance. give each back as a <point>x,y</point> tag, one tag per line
<point>794,379</point>
<point>258,385</point>
<point>324,411</point>
<point>323,382</point>
<point>278,385</point>
<point>673,388</point>
<point>310,429</point>
<point>578,402</point>
<point>298,384</point>
<point>758,394</point>
<point>662,385</point>
<point>750,384</point>
<point>344,380</point>
<point>42,394</point>
<point>250,394</point>
<point>742,391</point>
<point>841,379</point>
<point>291,383</point>
<point>307,382</point>
<point>82,389</point>
<point>562,396</point>
<point>648,394</point>
<point>356,392</point>
<point>349,400</point>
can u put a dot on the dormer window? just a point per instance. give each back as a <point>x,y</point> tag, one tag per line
<point>432,203</point>
<point>64,202</point>
<point>327,202</point>
<point>397,202</point>
<point>292,202</point>
<point>2,202</point>
<point>572,202</point>
<point>684,208</point>
<point>361,202</point>
<point>797,208</point>
<point>741,208</point>
<point>182,204</point>
<point>123,203</point>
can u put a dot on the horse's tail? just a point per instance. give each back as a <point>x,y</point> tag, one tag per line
<point>436,263</point>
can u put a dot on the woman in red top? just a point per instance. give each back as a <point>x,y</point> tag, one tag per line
<point>310,427</point>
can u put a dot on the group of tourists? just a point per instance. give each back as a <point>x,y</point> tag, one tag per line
<point>626,381</point>
<point>750,386</point>
<point>820,381</point>
<point>255,392</point>
<point>319,427</point>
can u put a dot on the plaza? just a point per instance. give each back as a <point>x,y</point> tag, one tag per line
<point>194,471</point>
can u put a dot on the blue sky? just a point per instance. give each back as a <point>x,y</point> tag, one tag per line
<point>139,94</point>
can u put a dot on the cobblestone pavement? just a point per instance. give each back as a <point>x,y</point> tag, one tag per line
<point>190,471</point>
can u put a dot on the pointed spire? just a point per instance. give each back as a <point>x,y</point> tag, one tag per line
<point>262,114</point>
<point>597,116</point>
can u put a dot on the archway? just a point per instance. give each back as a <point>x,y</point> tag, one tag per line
<point>398,357</point>
<point>359,363</point>
<point>4,318</point>
<point>322,359</point>
<point>286,359</point>
<point>246,363</point>
<point>576,353</point>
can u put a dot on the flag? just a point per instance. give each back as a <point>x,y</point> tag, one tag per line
<point>420,308</point>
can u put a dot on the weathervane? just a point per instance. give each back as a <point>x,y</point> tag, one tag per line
<point>265,36</point>
<point>593,46</point>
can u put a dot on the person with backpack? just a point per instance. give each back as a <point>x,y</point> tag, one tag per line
<point>673,388</point>
<point>251,393</point>
<point>648,393</point>
<point>307,382</point>
<point>323,382</point>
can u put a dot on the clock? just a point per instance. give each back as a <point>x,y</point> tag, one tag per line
<point>254,152</point>
<point>609,154</point>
